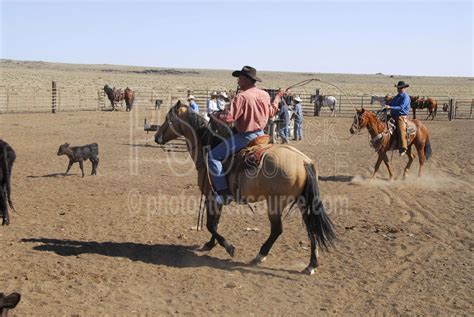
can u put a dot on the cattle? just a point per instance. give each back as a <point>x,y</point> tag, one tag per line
<point>8,302</point>
<point>81,154</point>
<point>7,158</point>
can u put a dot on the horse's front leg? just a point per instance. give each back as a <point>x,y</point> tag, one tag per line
<point>213,216</point>
<point>377,165</point>
<point>387,163</point>
<point>214,223</point>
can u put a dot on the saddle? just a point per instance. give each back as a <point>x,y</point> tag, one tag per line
<point>250,157</point>
<point>391,133</point>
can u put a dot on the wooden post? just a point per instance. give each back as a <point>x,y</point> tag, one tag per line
<point>472,104</point>
<point>54,97</point>
<point>450,113</point>
<point>362,102</point>
<point>316,112</point>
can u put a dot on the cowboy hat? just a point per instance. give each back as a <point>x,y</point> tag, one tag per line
<point>214,93</point>
<point>191,97</point>
<point>297,99</point>
<point>247,71</point>
<point>223,94</point>
<point>401,84</point>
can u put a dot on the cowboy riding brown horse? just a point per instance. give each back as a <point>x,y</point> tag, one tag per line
<point>385,139</point>
<point>282,176</point>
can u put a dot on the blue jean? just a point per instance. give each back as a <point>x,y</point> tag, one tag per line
<point>298,130</point>
<point>223,151</point>
<point>284,132</point>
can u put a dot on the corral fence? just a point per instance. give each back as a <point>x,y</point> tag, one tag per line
<point>60,99</point>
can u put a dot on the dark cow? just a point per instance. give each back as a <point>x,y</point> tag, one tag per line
<point>8,302</point>
<point>81,154</point>
<point>7,158</point>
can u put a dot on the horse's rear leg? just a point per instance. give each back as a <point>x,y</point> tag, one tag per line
<point>421,156</point>
<point>274,215</point>
<point>213,215</point>
<point>411,156</point>
<point>4,206</point>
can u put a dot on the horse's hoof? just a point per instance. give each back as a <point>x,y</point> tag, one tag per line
<point>5,222</point>
<point>230,249</point>
<point>308,271</point>
<point>258,259</point>
<point>207,247</point>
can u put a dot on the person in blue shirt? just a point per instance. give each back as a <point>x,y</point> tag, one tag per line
<point>298,116</point>
<point>284,116</point>
<point>192,103</point>
<point>399,110</point>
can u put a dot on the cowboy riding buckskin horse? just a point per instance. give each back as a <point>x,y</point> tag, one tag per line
<point>281,174</point>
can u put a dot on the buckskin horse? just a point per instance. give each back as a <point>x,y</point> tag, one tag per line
<point>384,139</point>
<point>284,176</point>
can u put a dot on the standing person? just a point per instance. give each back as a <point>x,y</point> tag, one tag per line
<point>192,103</point>
<point>212,104</point>
<point>399,110</point>
<point>298,116</point>
<point>250,110</point>
<point>284,117</point>
<point>222,100</point>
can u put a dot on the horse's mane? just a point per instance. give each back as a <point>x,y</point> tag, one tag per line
<point>203,131</point>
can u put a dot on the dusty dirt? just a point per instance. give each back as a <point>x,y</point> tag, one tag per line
<point>124,242</point>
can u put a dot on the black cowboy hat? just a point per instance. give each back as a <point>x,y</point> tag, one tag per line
<point>248,71</point>
<point>401,84</point>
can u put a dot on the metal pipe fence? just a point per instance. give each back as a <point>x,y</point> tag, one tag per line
<point>17,100</point>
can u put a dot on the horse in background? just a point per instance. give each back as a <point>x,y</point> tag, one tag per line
<point>324,101</point>
<point>129,96</point>
<point>425,103</point>
<point>117,95</point>
<point>379,99</point>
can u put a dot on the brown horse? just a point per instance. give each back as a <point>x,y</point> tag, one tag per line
<point>426,103</point>
<point>285,176</point>
<point>129,96</point>
<point>117,95</point>
<point>383,140</point>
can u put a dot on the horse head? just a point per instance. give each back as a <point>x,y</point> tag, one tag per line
<point>360,121</point>
<point>176,124</point>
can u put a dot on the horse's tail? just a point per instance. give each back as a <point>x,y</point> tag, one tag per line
<point>319,223</point>
<point>428,150</point>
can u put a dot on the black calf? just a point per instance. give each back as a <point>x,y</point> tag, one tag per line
<point>81,154</point>
<point>7,158</point>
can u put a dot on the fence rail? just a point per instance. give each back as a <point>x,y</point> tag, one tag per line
<point>16,100</point>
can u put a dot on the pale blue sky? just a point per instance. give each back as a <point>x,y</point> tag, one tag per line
<point>392,37</point>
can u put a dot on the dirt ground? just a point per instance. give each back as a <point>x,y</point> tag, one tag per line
<point>124,242</point>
